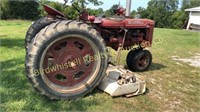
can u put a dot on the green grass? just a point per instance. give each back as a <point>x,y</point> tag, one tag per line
<point>171,87</point>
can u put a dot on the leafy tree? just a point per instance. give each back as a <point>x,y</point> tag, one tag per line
<point>70,11</point>
<point>95,12</point>
<point>141,12</point>
<point>194,3</point>
<point>24,9</point>
<point>110,11</point>
<point>4,9</point>
<point>160,11</point>
<point>83,3</point>
<point>21,9</point>
<point>133,13</point>
<point>185,4</point>
<point>178,19</point>
<point>181,17</point>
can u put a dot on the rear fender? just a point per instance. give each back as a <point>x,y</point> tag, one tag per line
<point>51,11</point>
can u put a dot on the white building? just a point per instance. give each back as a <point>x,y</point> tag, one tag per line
<point>194,18</point>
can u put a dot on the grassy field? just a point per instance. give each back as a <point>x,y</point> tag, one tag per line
<point>171,85</point>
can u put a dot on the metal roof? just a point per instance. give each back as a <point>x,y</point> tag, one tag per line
<point>193,9</point>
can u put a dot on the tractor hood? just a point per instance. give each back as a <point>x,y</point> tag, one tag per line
<point>126,23</point>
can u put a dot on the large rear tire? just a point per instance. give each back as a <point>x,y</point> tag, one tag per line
<point>36,27</point>
<point>66,60</point>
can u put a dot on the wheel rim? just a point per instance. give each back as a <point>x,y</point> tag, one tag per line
<point>143,62</point>
<point>73,63</point>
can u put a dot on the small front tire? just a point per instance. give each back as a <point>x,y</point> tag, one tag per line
<point>129,57</point>
<point>140,60</point>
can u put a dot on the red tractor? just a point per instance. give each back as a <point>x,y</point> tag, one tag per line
<point>66,59</point>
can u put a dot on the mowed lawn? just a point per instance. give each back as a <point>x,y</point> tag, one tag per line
<point>171,85</point>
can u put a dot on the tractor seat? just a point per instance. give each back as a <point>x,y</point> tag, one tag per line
<point>116,18</point>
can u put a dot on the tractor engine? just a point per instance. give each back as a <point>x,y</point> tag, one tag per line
<point>122,27</point>
<point>113,37</point>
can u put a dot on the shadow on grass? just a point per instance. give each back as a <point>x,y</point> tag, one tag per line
<point>156,66</point>
<point>17,94</point>
<point>146,92</point>
<point>12,42</point>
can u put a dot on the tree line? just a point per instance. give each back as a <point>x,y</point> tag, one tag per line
<point>165,13</point>
<point>32,10</point>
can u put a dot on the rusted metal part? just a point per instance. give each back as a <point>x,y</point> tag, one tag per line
<point>119,81</point>
<point>120,47</point>
<point>51,11</point>
<point>109,28</point>
<point>65,63</point>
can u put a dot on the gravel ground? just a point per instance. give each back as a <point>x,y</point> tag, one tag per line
<point>193,61</point>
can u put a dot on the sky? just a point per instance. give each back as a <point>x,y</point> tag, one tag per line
<point>107,4</point>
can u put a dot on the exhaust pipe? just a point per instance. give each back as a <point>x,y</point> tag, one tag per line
<point>128,8</point>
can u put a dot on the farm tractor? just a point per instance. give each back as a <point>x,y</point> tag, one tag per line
<point>67,59</point>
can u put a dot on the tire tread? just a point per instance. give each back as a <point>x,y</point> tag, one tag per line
<point>47,32</point>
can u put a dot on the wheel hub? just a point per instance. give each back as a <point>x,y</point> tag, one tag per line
<point>65,62</point>
<point>143,62</point>
<point>72,61</point>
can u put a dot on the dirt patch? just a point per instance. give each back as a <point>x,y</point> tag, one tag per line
<point>193,61</point>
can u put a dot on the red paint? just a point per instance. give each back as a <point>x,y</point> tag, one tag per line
<point>127,23</point>
<point>91,18</point>
<point>67,55</point>
<point>113,27</point>
<point>68,60</point>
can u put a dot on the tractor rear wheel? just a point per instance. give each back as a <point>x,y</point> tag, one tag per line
<point>66,60</point>
<point>36,27</point>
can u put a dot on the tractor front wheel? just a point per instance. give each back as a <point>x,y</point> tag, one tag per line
<point>66,60</point>
<point>129,57</point>
<point>139,60</point>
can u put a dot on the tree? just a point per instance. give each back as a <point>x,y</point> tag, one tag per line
<point>141,12</point>
<point>194,3</point>
<point>185,4</point>
<point>95,12</point>
<point>21,9</point>
<point>180,17</point>
<point>4,9</point>
<point>24,9</point>
<point>70,11</point>
<point>83,3</point>
<point>110,12</point>
<point>133,13</point>
<point>161,11</point>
